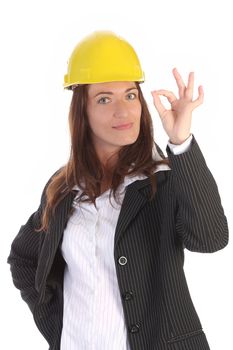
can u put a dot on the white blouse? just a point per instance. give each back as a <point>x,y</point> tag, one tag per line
<point>93,316</point>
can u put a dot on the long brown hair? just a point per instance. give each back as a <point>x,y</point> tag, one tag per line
<point>84,165</point>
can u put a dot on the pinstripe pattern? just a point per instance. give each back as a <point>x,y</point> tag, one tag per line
<point>185,213</point>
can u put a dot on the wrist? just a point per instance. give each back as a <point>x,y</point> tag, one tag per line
<point>177,141</point>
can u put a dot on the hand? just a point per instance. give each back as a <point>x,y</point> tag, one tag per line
<point>177,120</point>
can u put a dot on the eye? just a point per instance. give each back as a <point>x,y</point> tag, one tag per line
<point>102,98</point>
<point>132,94</point>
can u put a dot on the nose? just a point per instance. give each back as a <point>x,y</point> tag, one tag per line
<point>120,109</point>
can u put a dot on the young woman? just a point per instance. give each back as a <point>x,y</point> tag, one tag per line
<point>100,263</point>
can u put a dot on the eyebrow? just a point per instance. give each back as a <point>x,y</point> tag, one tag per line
<point>111,93</point>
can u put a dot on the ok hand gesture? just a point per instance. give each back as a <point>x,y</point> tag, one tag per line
<point>177,120</point>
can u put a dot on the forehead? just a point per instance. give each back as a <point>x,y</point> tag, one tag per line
<point>111,86</point>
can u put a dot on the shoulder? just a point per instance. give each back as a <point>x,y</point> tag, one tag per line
<point>43,196</point>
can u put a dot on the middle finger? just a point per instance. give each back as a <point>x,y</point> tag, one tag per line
<point>180,82</point>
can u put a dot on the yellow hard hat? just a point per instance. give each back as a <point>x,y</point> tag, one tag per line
<point>100,57</point>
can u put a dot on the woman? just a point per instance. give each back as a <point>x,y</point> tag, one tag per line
<point>100,263</point>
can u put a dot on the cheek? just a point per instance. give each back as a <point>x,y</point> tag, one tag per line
<point>98,123</point>
<point>136,109</point>
<point>94,118</point>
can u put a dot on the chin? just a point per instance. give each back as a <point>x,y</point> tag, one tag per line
<point>130,142</point>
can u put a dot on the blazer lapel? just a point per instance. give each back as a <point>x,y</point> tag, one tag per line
<point>136,196</point>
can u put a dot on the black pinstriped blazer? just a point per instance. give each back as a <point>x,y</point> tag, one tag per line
<point>150,239</point>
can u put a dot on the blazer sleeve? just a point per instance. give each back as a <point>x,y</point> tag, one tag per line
<point>24,252</point>
<point>200,220</point>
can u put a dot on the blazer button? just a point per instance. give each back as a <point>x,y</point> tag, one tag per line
<point>128,295</point>
<point>122,260</point>
<point>134,328</point>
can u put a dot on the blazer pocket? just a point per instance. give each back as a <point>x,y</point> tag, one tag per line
<point>194,338</point>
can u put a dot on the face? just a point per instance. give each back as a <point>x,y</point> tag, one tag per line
<point>109,105</point>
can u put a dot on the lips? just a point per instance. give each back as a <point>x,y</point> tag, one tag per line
<point>123,126</point>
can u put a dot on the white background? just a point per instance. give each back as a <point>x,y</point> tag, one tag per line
<point>37,38</point>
